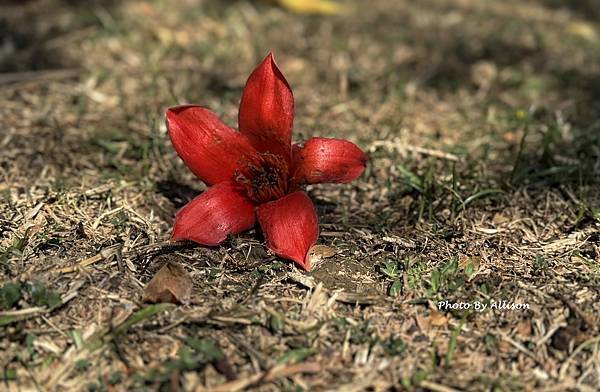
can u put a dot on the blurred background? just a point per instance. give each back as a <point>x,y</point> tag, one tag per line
<point>447,74</point>
<point>443,72</point>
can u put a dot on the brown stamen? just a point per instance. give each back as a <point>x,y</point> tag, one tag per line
<point>264,178</point>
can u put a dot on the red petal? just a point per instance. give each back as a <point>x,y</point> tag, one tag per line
<point>267,109</point>
<point>208,147</point>
<point>210,217</point>
<point>328,160</point>
<point>290,226</point>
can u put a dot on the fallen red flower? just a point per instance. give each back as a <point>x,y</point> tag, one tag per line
<point>257,172</point>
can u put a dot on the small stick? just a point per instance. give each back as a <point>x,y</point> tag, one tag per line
<point>28,312</point>
<point>434,153</point>
<point>395,144</point>
<point>16,77</point>
<point>344,297</point>
<point>270,375</point>
<point>565,366</point>
<point>104,254</point>
<point>146,250</point>
<point>437,387</point>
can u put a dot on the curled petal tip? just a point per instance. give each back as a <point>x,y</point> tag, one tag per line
<point>290,227</point>
<point>270,57</point>
<point>306,265</point>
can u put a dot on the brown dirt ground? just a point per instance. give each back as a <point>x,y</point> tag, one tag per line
<point>481,121</point>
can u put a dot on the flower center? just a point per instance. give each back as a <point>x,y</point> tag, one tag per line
<point>264,178</point>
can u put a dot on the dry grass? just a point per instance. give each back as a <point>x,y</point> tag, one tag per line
<point>481,123</point>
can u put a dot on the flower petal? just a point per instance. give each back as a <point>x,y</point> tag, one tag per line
<point>327,160</point>
<point>213,215</point>
<point>208,147</point>
<point>267,109</point>
<point>290,226</point>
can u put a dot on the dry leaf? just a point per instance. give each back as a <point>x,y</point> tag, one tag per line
<point>319,252</point>
<point>437,319</point>
<point>498,219</point>
<point>424,323</point>
<point>325,7</point>
<point>172,283</point>
<point>504,346</point>
<point>524,328</point>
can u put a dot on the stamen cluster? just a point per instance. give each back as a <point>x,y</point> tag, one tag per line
<point>264,178</point>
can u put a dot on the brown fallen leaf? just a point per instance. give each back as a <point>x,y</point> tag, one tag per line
<point>438,319</point>
<point>569,336</point>
<point>504,346</point>
<point>172,283</point>
<point>524,328</point>
<point>499,219</point>
<point>424,323</point>
<point>320,252</point>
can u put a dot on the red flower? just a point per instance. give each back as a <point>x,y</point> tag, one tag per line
<point>257,173</point>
